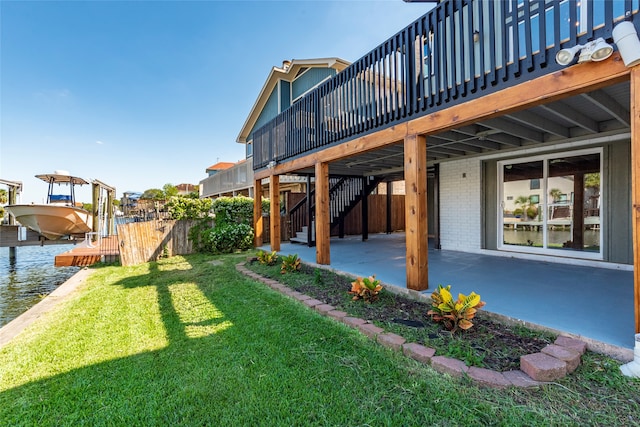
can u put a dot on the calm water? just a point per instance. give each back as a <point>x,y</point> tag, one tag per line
<point>33,276</point>
<point>556,237</point>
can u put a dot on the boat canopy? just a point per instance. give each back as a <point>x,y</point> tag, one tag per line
<point>57,178</point>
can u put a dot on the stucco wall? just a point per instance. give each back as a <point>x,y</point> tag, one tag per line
<point>460,205</point>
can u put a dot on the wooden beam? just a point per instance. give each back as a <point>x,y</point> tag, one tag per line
<point>258,223</point>
<point>415,175</point>
<point>323,233</point>
<point>578,79</point>
<point>635,188</point>
<point>274,212</point>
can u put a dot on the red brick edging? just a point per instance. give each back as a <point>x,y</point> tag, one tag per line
<point>552,363</point>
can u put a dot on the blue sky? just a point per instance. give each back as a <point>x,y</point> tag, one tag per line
<point>138,94</point>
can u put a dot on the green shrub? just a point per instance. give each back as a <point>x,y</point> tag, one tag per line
<point>233,210</point>
<point>232,229</point>
<point>180,207</point>
<point>228,239</point>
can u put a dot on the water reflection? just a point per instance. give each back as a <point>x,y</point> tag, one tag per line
<point>28,278</point>
<point>556,238</point>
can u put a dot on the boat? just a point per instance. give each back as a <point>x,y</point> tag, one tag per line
<point>59,218</point>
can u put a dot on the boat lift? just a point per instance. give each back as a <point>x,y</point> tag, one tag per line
<point>15,187</point>
<point>102,196</point>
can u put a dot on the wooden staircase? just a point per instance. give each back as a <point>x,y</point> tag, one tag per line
<point>344,195</point>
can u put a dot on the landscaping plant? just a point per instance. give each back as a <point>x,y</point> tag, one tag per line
<point>290,264</point>
<point>454,314</point>
<point>267,258</point>
<point>366,288</point>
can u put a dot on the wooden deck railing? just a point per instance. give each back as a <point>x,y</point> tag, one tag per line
<point>460,50</point>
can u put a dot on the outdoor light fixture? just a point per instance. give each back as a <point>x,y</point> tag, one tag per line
<point>626,38</point>
<point>565,56</point>
<point>595,50</point>
<point>271,164</point>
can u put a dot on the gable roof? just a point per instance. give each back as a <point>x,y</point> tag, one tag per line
<point>288,72</point>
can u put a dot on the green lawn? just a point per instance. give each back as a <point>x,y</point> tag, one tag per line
<point>189,341</point>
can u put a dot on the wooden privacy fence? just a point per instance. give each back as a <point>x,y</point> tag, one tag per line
<point>150,240</point>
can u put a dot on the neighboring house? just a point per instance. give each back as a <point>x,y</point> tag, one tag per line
<point>470,107</point>
<point>228,179</point>
<point>284,87</point>
<point>186,189</point>
<point>129,203</point>
<point>220,166</point>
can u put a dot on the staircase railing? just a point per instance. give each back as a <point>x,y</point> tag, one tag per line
<point>344,195</point>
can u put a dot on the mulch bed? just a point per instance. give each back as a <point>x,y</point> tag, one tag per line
<point>488,344</point>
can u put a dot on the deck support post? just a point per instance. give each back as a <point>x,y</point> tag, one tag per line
<point>274,212</point>
<point>365,210</point>
<point>258,224</point>
<point>95,199</point>
<point>635,188</point>
<point>323,252</point>
<point>417,241</point>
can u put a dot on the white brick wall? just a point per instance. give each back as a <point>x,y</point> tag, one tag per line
<point>460,205</point>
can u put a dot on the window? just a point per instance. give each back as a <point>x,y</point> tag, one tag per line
<point>534,184</point>
<point>563,216</point>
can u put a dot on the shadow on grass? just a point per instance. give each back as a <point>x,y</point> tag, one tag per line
<point>159,386</point>
<point>236,353</point>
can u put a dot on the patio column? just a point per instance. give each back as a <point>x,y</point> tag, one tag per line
<point>274,212</point>
<point>417,242</point>
<point>635,187</point>
<point>258,224</point>
<point>323,232</point>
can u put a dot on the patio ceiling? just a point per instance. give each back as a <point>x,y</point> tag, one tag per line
<point>602,111</point>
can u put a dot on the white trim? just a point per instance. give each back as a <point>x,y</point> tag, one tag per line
<point>598,256</point>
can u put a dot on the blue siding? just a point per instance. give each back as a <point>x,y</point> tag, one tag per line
<point>285,95</point>
<point>309,79</point>
<point>269,111</point>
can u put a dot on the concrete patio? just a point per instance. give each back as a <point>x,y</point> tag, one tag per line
<point>589,302</point>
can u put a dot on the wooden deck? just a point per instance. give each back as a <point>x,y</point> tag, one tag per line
<point>107,250</point>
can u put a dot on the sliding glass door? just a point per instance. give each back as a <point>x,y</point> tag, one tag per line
<point>552,204</point>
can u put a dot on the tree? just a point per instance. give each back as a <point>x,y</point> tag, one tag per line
<point>528,209</point>
<point>153,194</point>
<point>170,191</point>
<point>592,180</point>
<point>4,197</point>
<point>555,194</point>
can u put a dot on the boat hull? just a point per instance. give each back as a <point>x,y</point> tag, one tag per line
<point>53,222</point>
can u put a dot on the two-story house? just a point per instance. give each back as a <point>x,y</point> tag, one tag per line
<point>501,117</point>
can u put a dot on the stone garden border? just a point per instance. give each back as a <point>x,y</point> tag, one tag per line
<point>552,363</point>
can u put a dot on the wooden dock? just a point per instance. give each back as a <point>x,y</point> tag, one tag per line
<point>104,250</point>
